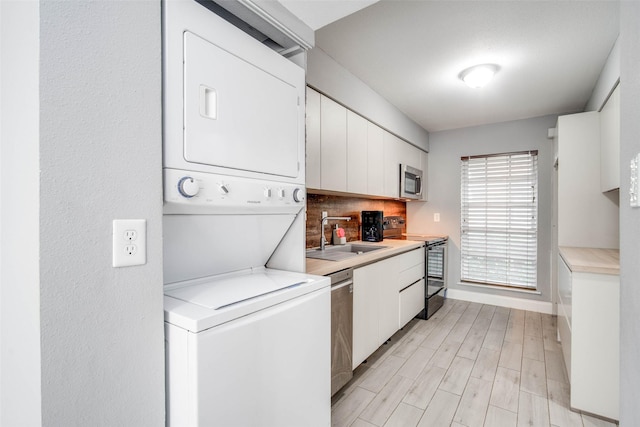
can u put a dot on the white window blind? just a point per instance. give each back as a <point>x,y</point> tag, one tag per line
<point>499,219</point>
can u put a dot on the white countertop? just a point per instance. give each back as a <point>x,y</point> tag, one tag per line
<point>394,247</point>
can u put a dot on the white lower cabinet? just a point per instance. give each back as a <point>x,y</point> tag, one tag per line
<point>589,331</point>
<point>385,293</point>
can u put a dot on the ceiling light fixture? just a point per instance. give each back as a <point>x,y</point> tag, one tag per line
<point>478,75</point>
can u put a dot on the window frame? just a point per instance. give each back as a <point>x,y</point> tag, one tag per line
<point>501,249</point>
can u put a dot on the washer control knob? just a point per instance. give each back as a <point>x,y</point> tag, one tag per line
<point>224,189</point>
<point>267,193</point>
<point>281,193</point>
<point>188,187</point>
<point>298,195</point>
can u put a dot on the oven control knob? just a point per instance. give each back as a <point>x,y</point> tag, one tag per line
<point>298,195</point>
<point>188,187</point>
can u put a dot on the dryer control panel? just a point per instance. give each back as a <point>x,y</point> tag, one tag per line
<point>198,192</point>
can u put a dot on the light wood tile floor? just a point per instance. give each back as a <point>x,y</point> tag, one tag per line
<point>469,365</point>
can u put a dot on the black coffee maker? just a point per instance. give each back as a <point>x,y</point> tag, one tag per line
<point>372,226</point>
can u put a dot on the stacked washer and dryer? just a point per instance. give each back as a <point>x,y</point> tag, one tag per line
<point>247,331</point>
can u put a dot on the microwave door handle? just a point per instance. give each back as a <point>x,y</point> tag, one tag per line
<point>419,185</point>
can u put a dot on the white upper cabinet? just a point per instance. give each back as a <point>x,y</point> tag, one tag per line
<point>409,155</point>
<point>375,160</point>
<point>424,166</point>
<point>586,217</point>
<point>333,145</point>
<point>391,148</point>
<point>610,143</point>
<point>348,153</point>
<point>357,167</point>
<point>313,139</point>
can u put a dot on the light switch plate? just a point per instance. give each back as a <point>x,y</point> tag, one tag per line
<point>129,242</point>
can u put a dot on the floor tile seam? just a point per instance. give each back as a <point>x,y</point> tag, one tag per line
<point>488,401</point>
<point>394,409</point>
<point>337,407</point>
<point>564,370</point>
<point>466,383</point>
<point>499,407</point>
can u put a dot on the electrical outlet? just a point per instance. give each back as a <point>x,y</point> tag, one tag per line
<point>129,242</point>
<point>436,217</point>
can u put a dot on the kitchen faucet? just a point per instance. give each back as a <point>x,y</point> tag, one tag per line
<point>323,221</point>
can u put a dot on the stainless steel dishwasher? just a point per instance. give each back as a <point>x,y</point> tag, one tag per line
<point>341,328</point>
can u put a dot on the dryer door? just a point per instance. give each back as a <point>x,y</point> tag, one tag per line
<point>237,115</point>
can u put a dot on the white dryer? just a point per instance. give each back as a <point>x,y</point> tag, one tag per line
<point>231,105</point>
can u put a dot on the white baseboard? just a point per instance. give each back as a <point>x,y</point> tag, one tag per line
<point>501,301</point>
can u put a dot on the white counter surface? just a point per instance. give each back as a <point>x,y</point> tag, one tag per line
<point>393,247</point>
<point>591,260</point>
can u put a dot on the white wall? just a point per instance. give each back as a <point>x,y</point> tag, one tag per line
<point>629,217</point>
<point>607,80</point>
<point>100,329</point>
<point>444,190</point>
<point>330,78</point>
<point>19,201</point>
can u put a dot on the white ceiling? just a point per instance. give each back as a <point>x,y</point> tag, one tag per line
<point>411,52</point>
<point>318,13</point>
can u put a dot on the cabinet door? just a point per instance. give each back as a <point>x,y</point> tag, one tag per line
<point>333,145</point>
<point>389,312</point>
<point>595,344</point>
<point>375,160</point>
<point>313,139</point>
<point>610,143</point>
<point>365,313</point>
<point>409,155</point>
<point>564,311</point>
<point>357,171</point>
<point>391,145</point>
<point>424,166</point>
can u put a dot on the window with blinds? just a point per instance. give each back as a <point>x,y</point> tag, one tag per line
<point>499,219</point>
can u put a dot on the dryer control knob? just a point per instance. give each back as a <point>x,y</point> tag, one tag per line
<point>223,189</point>
<point>298,195</point>
<point>188,187</point>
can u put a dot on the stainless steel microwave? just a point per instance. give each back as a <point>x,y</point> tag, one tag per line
<point>410,182</point>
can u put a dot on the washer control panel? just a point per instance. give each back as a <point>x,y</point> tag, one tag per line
<point>198,192</point>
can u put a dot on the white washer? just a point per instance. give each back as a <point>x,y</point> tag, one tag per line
<point>249,349</point>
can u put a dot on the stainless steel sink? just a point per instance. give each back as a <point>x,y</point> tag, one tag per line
<point>341,252</point>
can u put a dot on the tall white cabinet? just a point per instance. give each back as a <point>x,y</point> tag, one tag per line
<point>586,216</point>
<point>586,285</point>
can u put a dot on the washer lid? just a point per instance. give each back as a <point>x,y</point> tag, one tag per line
<point>226,292</point>
<point>200,304</point>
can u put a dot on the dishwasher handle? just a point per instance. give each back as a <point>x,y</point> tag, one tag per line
<point>342,285</point>
<point>341,276</point>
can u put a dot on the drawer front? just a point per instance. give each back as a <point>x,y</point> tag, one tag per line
<point>411,302</point>
<point>565,288</point>
<point>410,259</point>
<point>410,275</point>
<point>564,330</point>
